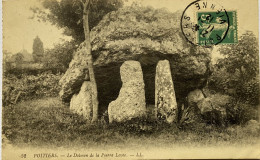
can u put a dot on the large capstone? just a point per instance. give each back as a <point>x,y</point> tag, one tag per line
<point>81,103</point>
<point>74,76</point>
<point>131,100</point>
<point>165,100</point>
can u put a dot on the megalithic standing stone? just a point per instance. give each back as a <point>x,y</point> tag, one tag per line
<point>81,103</point>
<point>130,102</point>
<point>165,100</point>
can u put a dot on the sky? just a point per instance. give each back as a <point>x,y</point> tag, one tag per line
<point>19,31</point>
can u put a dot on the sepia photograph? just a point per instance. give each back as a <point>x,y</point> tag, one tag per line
<point>130,79</point>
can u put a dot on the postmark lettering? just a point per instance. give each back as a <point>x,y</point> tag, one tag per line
<point>208,23</point>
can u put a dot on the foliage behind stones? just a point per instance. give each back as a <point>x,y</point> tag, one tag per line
<point>67,14</point>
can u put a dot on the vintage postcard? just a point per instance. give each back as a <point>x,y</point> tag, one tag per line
<point>130,79</point>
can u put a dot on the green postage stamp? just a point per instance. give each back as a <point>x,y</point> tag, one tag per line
<point>217,27</point>
<point>208,23</point>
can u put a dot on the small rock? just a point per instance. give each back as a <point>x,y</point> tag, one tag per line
<point>252,126</point>
<point>212,108</point>
<point>195,96</point>
<point>204,106</point>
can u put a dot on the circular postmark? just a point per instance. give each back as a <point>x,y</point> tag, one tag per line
<point>205,23</point>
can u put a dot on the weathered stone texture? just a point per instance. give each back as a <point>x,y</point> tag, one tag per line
<point>195,96</point>
<point>81,103</point>
<point>211,108</point>
<point>165,100</point>
<point>76,74</point>
<point>130,102</point>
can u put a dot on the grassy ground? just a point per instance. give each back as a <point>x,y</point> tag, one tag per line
<point>46,122</point>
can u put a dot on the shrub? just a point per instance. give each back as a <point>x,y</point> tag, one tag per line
<point>30,86</point>
<point>52,59</point>
<point>245,94</point>
<point>239,112</point>
<point>237,73</point>
<point>19,72</point>
<point>249,91</point>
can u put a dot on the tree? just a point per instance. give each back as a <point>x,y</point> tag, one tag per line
<point>86,10</point>
<point>67,14</point>
<point>76,17</point>
<point>6,55</point>
<point>38,50</point>
<point>6,61</point>
<point>19,58</point>
<point>52,57</point>
<point>242,57</point>
<point>237,74</point>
